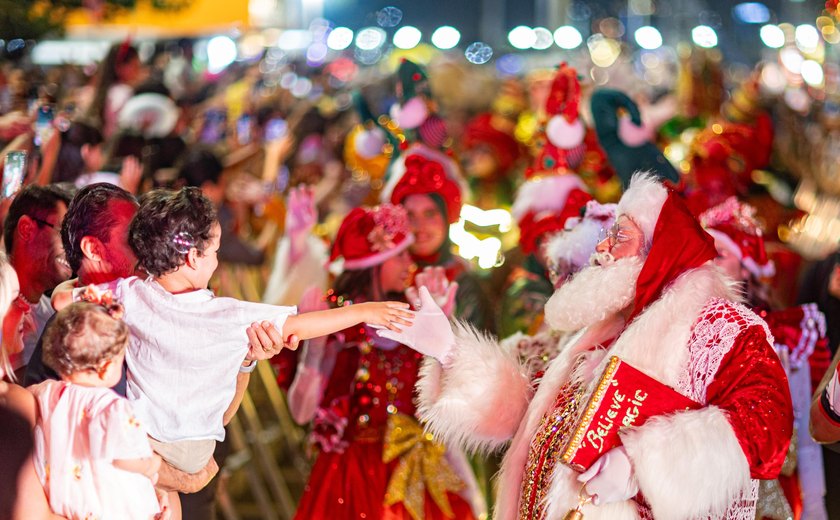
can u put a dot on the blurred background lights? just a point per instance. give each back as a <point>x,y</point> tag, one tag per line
<point>407,37</point>
<point>478,53</point>
<point>812,73</point>
<point>543,38</point>
<point>389,16</point>
<point>807,38</point>
<point>603,51</point>
<point>751,12</point>
<point>704,36</point>
<point>522,37</point>
<point>221,52</point>
<point>567,37</point>
<point>648,37</point>
<point>792,60</point>
<point>340,38</point>
<point>446,37</point>
<point>316,53</point>
<point>370,38</point>
<point>772,36</point>
<point>294,39</point>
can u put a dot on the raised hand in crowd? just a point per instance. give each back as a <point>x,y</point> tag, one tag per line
<point>440,288</point>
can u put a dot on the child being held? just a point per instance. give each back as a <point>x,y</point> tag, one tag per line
<point>187,345</point>
<point>92,455</point>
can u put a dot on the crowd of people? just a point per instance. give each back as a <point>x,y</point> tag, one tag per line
<point>641,349</point>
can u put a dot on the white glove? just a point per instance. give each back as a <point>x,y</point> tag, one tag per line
<point>611,478</point>
<point>430,334</point>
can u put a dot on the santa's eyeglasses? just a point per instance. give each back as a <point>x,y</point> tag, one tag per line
<point>614,236</point>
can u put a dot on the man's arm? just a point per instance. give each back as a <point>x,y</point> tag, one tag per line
<point>171,479</point>
<point>264,341</point>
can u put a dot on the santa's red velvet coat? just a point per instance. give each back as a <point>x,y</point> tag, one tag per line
<point>692,335</point>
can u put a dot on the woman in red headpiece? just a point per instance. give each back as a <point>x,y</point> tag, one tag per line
<point>428,184</point>
<point>357,390</point>
<point>799,338</point>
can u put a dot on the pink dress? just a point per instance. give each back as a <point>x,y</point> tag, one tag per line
<point>80,431</point>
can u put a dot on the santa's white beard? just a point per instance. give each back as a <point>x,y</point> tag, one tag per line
<point>594,293</point>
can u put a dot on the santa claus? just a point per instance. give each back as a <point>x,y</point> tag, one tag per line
<point>654,299</point>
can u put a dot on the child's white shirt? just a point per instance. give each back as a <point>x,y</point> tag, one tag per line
<point>184,355</point>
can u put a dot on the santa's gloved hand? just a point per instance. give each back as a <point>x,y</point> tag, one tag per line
<point>430,333</point>
<point>611,478</point>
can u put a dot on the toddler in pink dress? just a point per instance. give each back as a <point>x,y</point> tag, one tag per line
<point>92,455</point>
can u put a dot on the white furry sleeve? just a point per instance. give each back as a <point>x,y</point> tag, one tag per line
<point>689,464</point>
<point>479,400</point>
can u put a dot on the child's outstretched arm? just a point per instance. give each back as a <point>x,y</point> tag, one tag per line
<point>148,466</point>
<point>321,323</point>
<point>62,295</point>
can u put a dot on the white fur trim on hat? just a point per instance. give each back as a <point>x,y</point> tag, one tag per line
<point>643,201</point>
<point>544,194</point>
<point>398,170</point>
<point>341,265</point>
<point>759,271</point>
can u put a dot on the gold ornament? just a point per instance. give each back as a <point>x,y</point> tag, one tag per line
<point>583,499</point>
<point>422,467</point>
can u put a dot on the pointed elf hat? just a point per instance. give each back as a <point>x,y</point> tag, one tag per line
<point>368,147</point>
<point>552,191</point>
<point>733,223</point>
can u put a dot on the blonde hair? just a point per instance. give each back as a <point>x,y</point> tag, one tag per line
<point>83,336</point>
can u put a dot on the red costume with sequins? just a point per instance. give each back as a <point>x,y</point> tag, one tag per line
<point>686,330</point>
<point>369,387</point>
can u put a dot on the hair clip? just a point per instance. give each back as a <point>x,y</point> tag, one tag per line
<point>183,242</point>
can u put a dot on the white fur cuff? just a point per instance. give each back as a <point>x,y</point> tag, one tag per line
<point>480,399</point>
<point>689,464</point>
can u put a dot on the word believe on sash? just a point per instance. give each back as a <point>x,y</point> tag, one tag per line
<point>624,397</point>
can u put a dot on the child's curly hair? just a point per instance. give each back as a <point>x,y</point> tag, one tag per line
<point>167,225</point>
<point>83,336</point>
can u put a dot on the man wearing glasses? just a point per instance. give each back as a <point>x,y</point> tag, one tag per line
<point>654,299</point>
<point>31,233</point>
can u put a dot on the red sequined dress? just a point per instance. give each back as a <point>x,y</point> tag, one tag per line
<point>375,461</point>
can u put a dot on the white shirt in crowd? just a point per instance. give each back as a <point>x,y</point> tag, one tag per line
<point>184,355</point>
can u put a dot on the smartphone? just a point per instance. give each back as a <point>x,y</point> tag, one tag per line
<point>43,124</point>
<point>215,126</point>
<point>14,171</point>
<point>243,129</point>
<point>275,129</point>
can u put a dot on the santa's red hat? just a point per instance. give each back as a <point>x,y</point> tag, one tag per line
<point>421,170</point>
<point>674,238</point>
<point>369,236</point>
<point>733,223</point>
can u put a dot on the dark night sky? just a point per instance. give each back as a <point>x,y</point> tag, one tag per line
<point>674,17</point>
